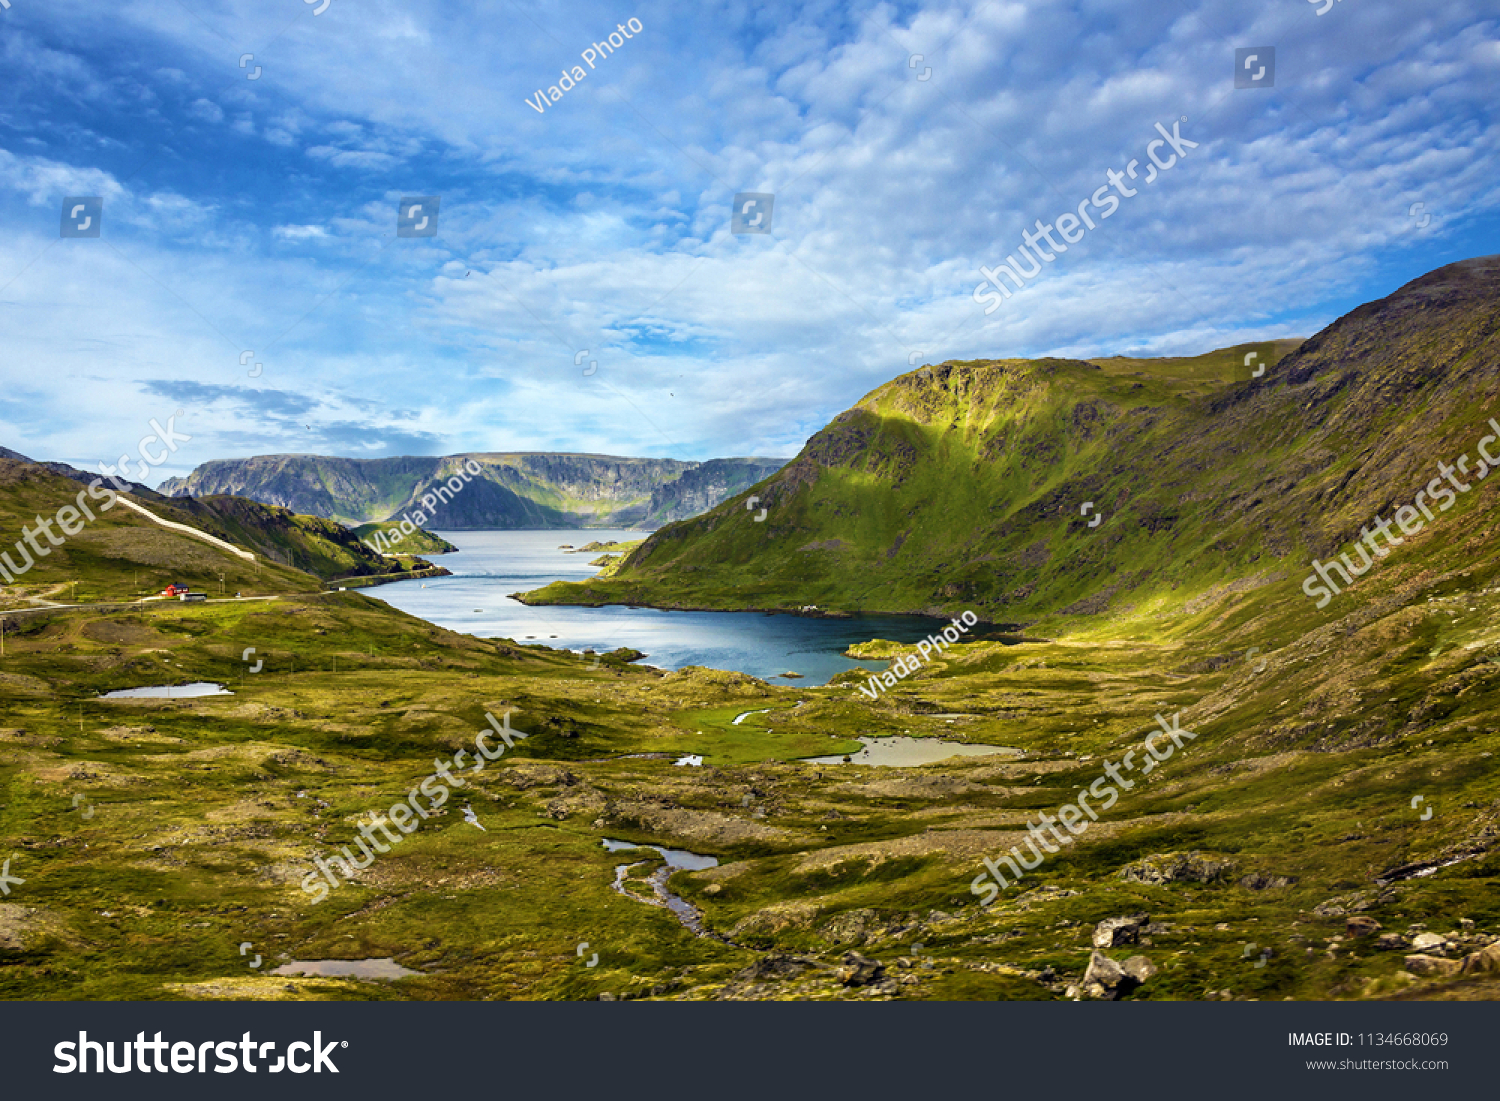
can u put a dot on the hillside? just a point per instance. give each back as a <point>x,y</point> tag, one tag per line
<point>122,555</point>
<point>385,535</point>
<point>317,546</point>
<point>307,544</point>
<point>509,490</point>
<point>963,485</point>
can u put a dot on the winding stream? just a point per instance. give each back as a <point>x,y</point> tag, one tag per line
<point>676,860</point>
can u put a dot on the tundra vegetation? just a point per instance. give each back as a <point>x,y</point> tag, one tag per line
<point>1330,832</point>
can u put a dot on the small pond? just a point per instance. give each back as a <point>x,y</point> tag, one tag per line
<point>386,968</point>
<point>900,752</point>
<point>675,858</point>
<point>168,691</point>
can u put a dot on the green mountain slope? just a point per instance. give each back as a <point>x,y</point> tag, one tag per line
<point>964,485</point>
<point>317,546</point>
<point>278,538</point>
<point>415,542</point>
<point>507,490</point>
<point>120,554</point>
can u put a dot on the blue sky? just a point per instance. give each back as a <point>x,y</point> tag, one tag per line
<point>259,215</point>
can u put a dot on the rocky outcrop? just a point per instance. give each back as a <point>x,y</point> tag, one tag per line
<point>1109,980</point>
<point>1115,931</point>
<point>1176,868</point>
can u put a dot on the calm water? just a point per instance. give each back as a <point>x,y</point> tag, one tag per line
<point>675,858</point>
<point>386,968</point>
<point>492,564</point>
<point>898,752</point>
<point>168,691</point>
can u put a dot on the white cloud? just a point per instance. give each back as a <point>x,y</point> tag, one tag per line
<point>300,233</point>
<point>603,223</point>
<point>206,110</point>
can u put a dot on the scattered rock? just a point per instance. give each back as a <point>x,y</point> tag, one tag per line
<point>1139,968</point>
<point>1108,980</point>
<point>774,966</point>
<point>1342,905</point>
<point>1432,966</point>
<point>1483,962</point>
<point>1115,931</point>
<point>1362,927</point>
<point>1261,881</point>
<point>1176,868</point>
<point>1390,942</point>
<point>860,970</point>
<point>1429,942</point>
<point>855,927</point>
<point>1103,977</point>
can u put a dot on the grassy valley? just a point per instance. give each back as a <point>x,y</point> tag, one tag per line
<point>1328,829</point>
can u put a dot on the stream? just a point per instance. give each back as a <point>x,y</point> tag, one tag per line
<point>676,860</point>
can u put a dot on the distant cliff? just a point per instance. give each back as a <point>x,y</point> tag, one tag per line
<point>512,490</point>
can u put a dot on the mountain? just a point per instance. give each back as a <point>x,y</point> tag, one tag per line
<point>120,553</point>
<point>507,490</point>
<point>323,548</point>
<point>1027,488</point>
<point>276,536</point>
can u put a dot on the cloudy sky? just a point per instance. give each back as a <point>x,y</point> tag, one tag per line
<point>583,290</point>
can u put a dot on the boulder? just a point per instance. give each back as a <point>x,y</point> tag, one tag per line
<point>1108,980</point>
<point>1115,931</point>
<point>1389,942</point>
<point>1432,966</point>
<point>1103,977</point>
<point>1361,927</point>
<point>860,970</point>
<point>1486,961</point>
<point>1429,942</point>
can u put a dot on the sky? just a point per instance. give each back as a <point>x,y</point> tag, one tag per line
<point>582,288</point>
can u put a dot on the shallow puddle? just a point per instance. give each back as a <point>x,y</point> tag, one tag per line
<point>386,968</point>
<point>168,691</point>
<point>675,858</point>
<point>900,752</point>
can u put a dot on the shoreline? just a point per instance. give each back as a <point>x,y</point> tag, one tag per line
<point>1011,629</point>
<point>369,581</point>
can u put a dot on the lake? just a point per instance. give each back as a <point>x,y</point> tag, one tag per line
<point>490,565</point>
